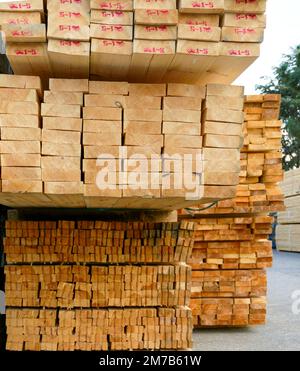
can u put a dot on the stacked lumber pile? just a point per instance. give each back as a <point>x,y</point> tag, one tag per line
<point>20,134</point>
<point>154,297</point>
<point>143,145</point>
<point>232,243</point>
<point>136,40</point>
<point>261,169</point>
<point>231,249</point>
<point>24,26</point>
<point>68,35</point>
<point>287,230</point>
<point>98,329</point>
<point>61,138</point>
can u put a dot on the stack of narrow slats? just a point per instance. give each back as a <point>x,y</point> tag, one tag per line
<point>111,38</point>
<point>20,134</point>
<point>233,234</point>
<point>287,230</point>
<point>61,137</point>
<point>232,243</point>
<point>157,288</point>
<point>23,23</point>
<point>98,329</point>
<point>68,35</point>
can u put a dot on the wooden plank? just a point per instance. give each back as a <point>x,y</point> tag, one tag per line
<point>156,32</point>
<point>123,5</point>
<point>198,19</point>
<point>185,90</point>
<point>185,103</point>
<point>52,149</point>
<point>63,188</point>
<point>26,108</point>
<point>112,17</point>
<point>186,141</point>
<point>108,88</point>
<point>111,32</point>
<point>17,6</point>
<point>56,123</point>
<point>22,186</point>
<point>59,97</point>
<point>60,110</point>
<point>110,59</point>
<point>256,6</point>
<point>21,82</point>
<point>69,58</point>
<point>244,20</point>
<point>10,160</point>
<point>211,7</point>
<point>61,136</point>
<point>181,128</point>
<point>130,114</point>
<point>139,139</point>
<point>69,85</point>
<point>221,141</point>
<point>29,147</point>
<point>242,34</point>
<point>200,33</point>
<point>24,32</point>
<point>153,4</point>
<point>221,128</point>
<point>156,16</point>
<point>154,90</point>
<point>102,113</point>
<point>19,120</point>
<point>181,115</point>
<point>101,126</point>
<point>20,17</point>
<point>105,138</point>
<point>146,127</point>
<point>9,133</point>
<point>19,95</point>
<point>223,115</point>
<point>232,103</point>
<point>225,90</point>
<point>21,173</point>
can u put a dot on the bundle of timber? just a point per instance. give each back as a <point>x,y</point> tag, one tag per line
<point>287,232</point>
<point>261,168</point>
<point>142,145</point>
<point>61,139</point>
<point>24,25</point>
<point>231,247</point>
<point>154,295</point>
<point>20,134</point>
<point>232,243</point>
<point>137,40</point>
<point>99,329</point>
<point>68,34</point>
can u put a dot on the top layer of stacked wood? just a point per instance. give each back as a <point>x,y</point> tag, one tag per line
<point>183,129</point>
<point>134,40</point>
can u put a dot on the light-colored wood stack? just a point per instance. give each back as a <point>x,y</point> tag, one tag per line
<point>137,40</point>
<point>111,39</point>
<point>142,145</point>
<point>233,234</point>
<point>261,169</point>
<point>232,243</point>
<point>61,138</point>
<point>68,35</point>
<point>23,23</point>
<point>287,230</point>
<point>98,329</point>
<point>20,134</point>
<point>141,290</point>
<point>106,242</point>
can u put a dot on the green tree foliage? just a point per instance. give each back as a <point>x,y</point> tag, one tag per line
<point>286,81</point>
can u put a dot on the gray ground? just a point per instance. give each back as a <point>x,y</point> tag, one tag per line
<point>282,331</point>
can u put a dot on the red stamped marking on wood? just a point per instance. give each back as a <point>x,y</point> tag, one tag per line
<point>246,17</point>
<point>156,28</point>
<point>157,12</point>
<point>246,1</point>
<point>21,33</point>
<point>200,29</point>
<point>113,43</point>
<point>244,31</point>
<point>197,23</point>
<point>26,51</point>
<point>239,52</point>
<point>112,28</point>
<point>69,14</point>
<point>114,14</point>
<point>18,21</point>
<point>69,43</point>
<point>71,1</point>
<point>197,51</point>
<point>24,6</point>
<point>67,27</point>
<point>203,4</point>
<point>155,50</point>
<point>112,5</point>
